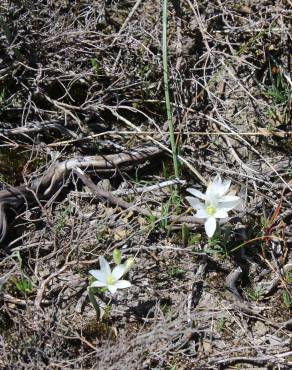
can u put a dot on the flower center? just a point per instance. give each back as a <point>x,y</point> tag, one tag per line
<point>211,210</point>
<point>110,280</point>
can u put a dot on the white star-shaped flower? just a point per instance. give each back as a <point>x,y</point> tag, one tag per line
<point>110,279</point>
<point>216,203</point>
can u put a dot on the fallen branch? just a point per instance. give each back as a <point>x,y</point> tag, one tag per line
<point>113,200</point>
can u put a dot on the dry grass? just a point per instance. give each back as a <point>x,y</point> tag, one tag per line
<point>84,78</point>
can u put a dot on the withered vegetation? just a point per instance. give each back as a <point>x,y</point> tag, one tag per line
<point>81,86</point>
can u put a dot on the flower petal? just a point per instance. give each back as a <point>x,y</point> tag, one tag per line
<point>112,288</point>
<point>210,226</point>
<point>217,187</point>
<point>227,206</point>
<point>121,284</point>
<point>202,213</point>
<point>221,213</point>
<point>197,193</point>
<point>118,272</point>
<point>98,274</point>
<point>214,185</point>
<point>104,265</point>
<point>229,198</point>
<point>212,200</point>
<point>98,284</point>
<point>195,203</point>
<point>217,180</point>
<point>224,187</point>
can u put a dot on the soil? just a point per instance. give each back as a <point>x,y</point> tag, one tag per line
<point>85,78</point>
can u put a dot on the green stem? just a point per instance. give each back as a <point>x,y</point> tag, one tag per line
<point>251,241</point>
<point>93,302</point>
<point>166,89</point>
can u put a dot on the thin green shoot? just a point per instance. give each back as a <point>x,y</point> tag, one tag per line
<point>287,301</point>
<point>185,235</point>
<point>95,65</point>
<point>176,272</point>
<point>93,301</point>
<point>279,91</point>
<point>172,205</point>
<point>23,285</point>
<point>254,294</point>
<point>288,277</point>
<point>221,323</point>
<point>166,90</point>
<point>151,221</point>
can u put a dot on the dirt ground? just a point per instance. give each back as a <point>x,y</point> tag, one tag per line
<point>83,79</point>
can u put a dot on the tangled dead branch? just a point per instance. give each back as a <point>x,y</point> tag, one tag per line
<point>45,186</point>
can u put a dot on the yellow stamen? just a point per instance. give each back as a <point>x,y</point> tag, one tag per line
<point>211,210</point>
<point>110,279</point>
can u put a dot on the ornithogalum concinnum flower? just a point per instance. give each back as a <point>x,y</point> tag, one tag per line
<point>215,203</point>
<point>110,279</point>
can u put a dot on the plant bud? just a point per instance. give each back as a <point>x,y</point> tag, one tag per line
<point>129,264</point>
<point>117,256</point>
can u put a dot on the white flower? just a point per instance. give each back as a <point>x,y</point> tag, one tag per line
<point>109,279</point>
<point>216,203</point>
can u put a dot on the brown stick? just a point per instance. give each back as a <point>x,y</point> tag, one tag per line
<point>123,204</point>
